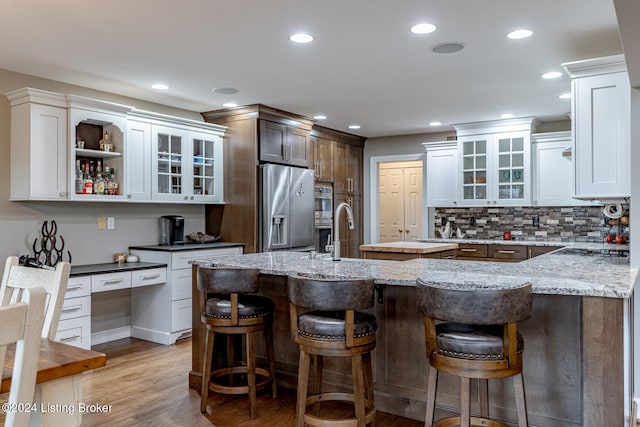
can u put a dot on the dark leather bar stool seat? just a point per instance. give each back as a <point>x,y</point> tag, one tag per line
<point>228,310</point>
<point>472,333</point>
<point>324,322</point>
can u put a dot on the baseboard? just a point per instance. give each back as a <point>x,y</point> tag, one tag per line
<point>110,335</point>
<point>158,337</point>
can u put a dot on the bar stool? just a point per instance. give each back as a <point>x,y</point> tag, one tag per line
<point>478,339</point>
<point>230,311</point>
<point>324,322</point>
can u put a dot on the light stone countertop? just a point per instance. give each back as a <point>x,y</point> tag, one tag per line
<point>555,273</point>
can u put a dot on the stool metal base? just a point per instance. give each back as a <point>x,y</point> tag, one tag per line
<point>475,421</point>
<point>317,421</point>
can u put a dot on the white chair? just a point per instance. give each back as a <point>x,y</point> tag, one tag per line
<point>21,324</point>
<point>16,278</point>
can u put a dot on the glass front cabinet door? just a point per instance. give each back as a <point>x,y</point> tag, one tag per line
<point>475,166</point>
<point>206,160</point>
<point>168,178</point>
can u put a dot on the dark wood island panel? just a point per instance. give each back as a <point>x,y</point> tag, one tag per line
<point>574,367</point>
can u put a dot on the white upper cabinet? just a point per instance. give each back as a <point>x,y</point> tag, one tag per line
<point>494,161</point>
<point>442,174</point>
<point>178,160</point>
<point>92,121</point>
<point>601,110</point>
<point>552,170</point>
<point>38,145</point>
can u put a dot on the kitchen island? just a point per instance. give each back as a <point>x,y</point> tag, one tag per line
<point>577,342</point>
<point>401,251</point>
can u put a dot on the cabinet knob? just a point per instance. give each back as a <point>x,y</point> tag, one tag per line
<point>488,202</point>
<point>191,198</point>
<point>186,198</point>
<point>128,196</point>
<point>63,194</point>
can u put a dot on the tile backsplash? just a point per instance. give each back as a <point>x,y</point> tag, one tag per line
<point>561,224</point>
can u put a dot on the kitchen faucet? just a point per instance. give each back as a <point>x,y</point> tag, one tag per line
<point>336,227</point>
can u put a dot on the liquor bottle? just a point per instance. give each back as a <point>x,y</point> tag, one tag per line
<point>79,178</point>
<point>115,186</point>
<point>98,184</point>
<point>88,180</point>
<point>106,176</point>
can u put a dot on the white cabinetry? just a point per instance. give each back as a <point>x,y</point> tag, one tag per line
<point>552,170</point>
<point>74,327</point>
<point>494,161</point>
<point>442,173</point>
<point>38,145</point>
<point>89,121</point>
<point>601,125</point>
<point>182,160</point>
<point>163,313</point>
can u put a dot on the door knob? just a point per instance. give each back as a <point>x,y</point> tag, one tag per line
<point>407,231</point>
<point>399,230</point>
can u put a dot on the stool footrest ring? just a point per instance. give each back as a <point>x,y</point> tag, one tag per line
<point>475,421</point>
<point>266,375</point>
<point>316,421</point>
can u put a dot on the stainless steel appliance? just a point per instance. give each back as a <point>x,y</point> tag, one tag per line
<point>287,208</point>
<point>171,230</point>
<point>323,215</point>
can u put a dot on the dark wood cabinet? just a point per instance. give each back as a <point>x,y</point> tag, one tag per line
<point>507,252</point>
<point>347,169</point>
<point>280,143</point>
<point>471,251</point>
<point>322,158</point>
<point>350,240</point>
<point>500,252</point>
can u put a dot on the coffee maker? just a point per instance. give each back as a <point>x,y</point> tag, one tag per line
<point>171,230</point>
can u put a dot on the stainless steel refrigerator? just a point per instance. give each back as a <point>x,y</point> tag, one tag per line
<point>287,208</point>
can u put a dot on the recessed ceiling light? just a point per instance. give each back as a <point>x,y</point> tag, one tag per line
<point>225,90</point>
<point>354,126</point>
<point>552,75</point>
<point>435,123</point>
<point>229,104</point>
<point>320,117</point>
<point>423,28</point>
<point>520,34</point>
<point>301,38</point>
<point>447,47</point>
<point>507,116</point>
<point>565,96</point>
<point>159,86</point>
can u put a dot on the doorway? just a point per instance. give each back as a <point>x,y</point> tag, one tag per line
<point>400,201</point>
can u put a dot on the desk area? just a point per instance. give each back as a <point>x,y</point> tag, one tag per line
<point>58,383</point>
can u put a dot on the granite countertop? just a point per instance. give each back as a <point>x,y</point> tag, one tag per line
<point>409,247</point>
<point>187,246</point>
<point>561,272</point>
<point>592,246</point>
<point>112,267</point>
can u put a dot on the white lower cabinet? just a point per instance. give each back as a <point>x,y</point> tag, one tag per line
<point>74,327</point>
<point>162,314</point>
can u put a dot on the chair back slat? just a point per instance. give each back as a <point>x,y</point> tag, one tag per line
<point>16,278</point>
<point>22,324</point>
<point>225,280</point>
<point>330,292</point>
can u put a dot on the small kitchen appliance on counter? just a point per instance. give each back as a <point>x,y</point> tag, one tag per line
<point>171,230</point>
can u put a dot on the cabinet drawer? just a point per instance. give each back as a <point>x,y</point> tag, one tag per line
<point>508,252</point>
<point>78,287</point>
<point>153,276</point>
<point>181,259</point>
<point>181,284</point>
<point>180,315</point>
<point>75,332</point>
<point>76,307</point>
<point>471,251</point>
<point>110,281</point>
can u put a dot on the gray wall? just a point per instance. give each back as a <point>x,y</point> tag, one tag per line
<point>135,224</point>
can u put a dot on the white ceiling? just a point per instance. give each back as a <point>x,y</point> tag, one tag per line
<point>363,67</point>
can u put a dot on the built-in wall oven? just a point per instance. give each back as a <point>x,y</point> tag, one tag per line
<point>323,194</point>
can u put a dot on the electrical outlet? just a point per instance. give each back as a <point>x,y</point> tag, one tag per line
<point>102,223</point>
<point>111,223</point>
<point>536,221</point>
<point>472,221</point>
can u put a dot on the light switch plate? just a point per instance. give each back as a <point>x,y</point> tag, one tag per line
<point>111,223</point>
<point>102,223</point>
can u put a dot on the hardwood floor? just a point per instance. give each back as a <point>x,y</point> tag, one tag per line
<point>147,385</point>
